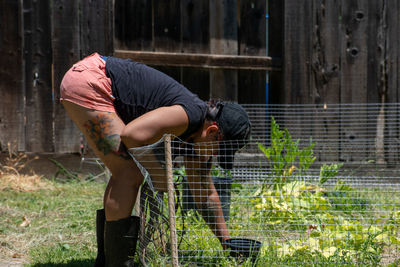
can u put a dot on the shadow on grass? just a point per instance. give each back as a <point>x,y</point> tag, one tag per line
<point>72,263</point>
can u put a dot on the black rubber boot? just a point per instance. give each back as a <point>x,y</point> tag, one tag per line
<point>100,221</point>
<point>120,241</point>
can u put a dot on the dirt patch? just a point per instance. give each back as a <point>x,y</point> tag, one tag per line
<point>48,165</point>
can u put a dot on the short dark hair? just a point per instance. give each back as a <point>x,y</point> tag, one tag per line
<point>214,105</point>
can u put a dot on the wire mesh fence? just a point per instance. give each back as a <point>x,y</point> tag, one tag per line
<point>314,184</point>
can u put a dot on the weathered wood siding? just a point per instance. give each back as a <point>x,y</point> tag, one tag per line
<point>39,42</point>
<point>339,51</point>
<point>333,51</point>
<point>66,51</point>
<point>205,27</point>
<point>38,87</point>
<point>12,104</point>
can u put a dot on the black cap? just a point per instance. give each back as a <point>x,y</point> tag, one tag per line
<point>235,126</point>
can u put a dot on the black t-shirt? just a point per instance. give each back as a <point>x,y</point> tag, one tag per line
<point>138,89</point>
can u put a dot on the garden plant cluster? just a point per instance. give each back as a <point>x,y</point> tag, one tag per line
<point>324,221</point>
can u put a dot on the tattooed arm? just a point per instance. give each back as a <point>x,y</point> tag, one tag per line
<point>206,196</point>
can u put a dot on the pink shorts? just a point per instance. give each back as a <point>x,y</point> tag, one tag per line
<point>87,85</point>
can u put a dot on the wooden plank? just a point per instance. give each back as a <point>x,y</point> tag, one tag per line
<point>37,51</point>
<point>392,132</point>
<point>297,51</point>
<point>197,81</point>
<point>96,31</point>
<point>354,66</point>
<point>167,25</point>
<point>195,26</point>
<point>195,39</point>
<point>252,42</point>
<point>275,47</point>
<point>212,61</point>
<point>274,84</point>
<point>223,40</point>
<point>297,47</point>
<point>167,29</point>
<point>12,112</point>
<point>393,50</point>
<point>326,59</point>
<point>325,78</point>
<point>252,85</point>
<point>376,51</point>
<point>377,78</point>
<point>252,28</point>
<point>66,51</point>
<point>133,24</point>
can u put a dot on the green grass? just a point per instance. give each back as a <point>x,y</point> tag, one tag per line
<point>359,228</point>
<point>61,228</point>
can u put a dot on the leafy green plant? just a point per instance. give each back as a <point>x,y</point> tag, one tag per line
<point>319,212</point>
<point>328,171</point>
<point>217,171</point>
<point>284,153</point>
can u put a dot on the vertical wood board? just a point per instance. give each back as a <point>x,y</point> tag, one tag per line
<point>326,77</point>
<point>393,53</point>
<point>252,87</point>
<point>195,39</point>
<point>12,104</point>
<point>354,82</point>
<point>376,51</point>
<point>297,51</point>
<point>96,27</point>
<point>197,81</point>
<point>195,26</point>
<point>392,133</point>
<point>223,40</point>
<point>298,27</point>
<point>251,35</point>
<point>167,26</point>
<point>252,41</point>
<point>133,24</point>
<point>66,51</point>
<point>275,49</point>
<point>38,59</point>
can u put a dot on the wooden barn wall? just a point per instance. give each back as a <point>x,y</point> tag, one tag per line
<point>340,51</point>
<point>333,51</point>
<point>38,88</point>
<point>39,42</point>
<point>12,106</point>
<point>230,27</point>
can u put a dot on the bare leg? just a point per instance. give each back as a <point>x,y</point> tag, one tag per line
<point>102,131</point>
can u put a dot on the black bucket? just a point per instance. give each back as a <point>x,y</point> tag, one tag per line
<point>243,248</point>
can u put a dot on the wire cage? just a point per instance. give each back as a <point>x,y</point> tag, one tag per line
<point>314,184</point>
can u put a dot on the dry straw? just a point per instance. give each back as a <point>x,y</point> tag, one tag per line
<point>11,177</point>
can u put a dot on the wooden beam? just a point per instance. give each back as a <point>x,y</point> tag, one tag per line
<point>202,60</point>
